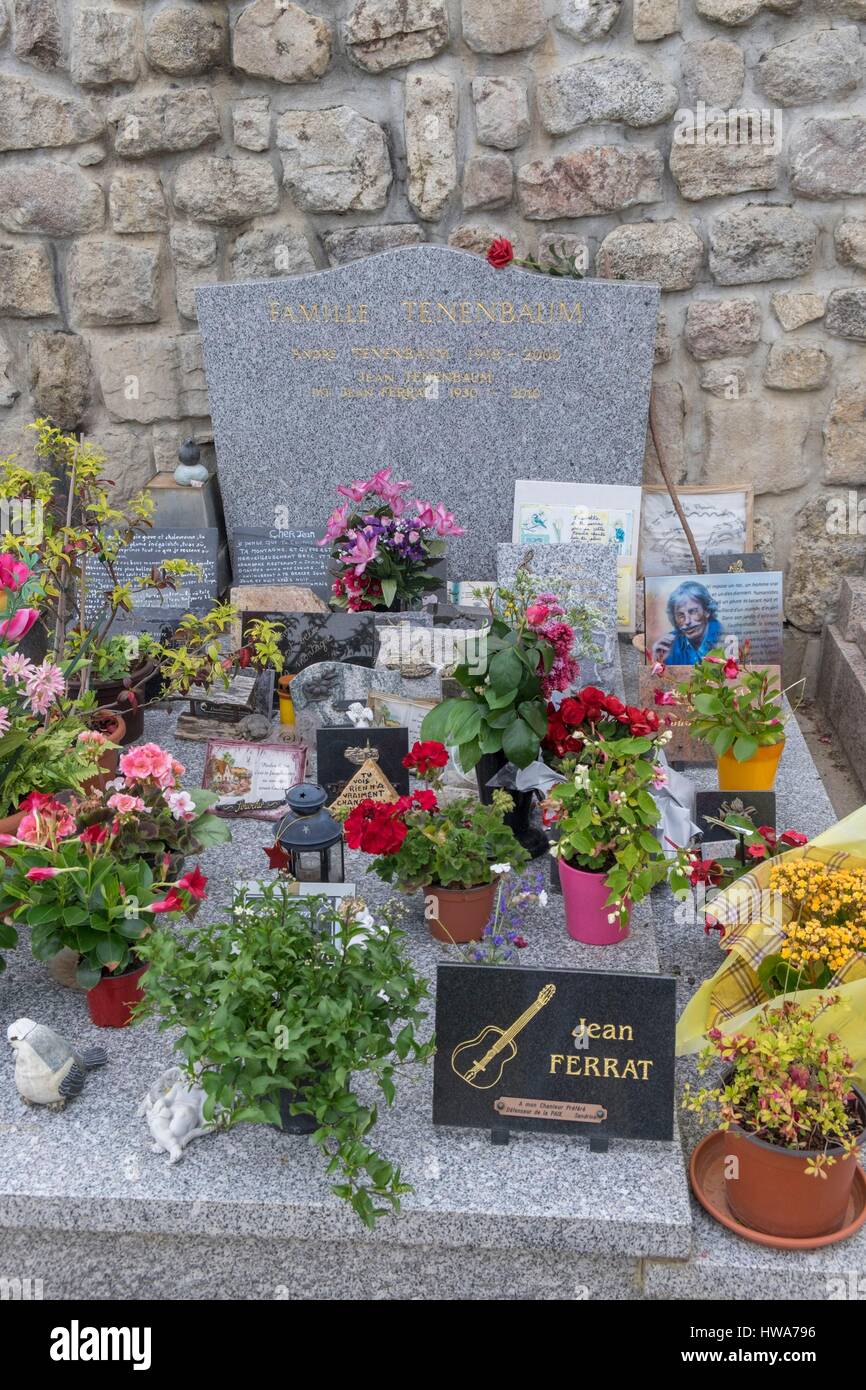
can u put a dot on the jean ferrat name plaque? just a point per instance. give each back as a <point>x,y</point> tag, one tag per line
<point>461,377</point>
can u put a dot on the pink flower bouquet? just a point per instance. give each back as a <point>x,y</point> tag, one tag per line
<point>383,544</point>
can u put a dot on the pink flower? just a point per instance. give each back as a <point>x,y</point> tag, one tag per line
<point>537,613</point>
<point>658,668</point>
<point>664,697</point>
<point>124,805</point>
<point>16,666</point>
<point>172,902</point>
<point>732,669</point>
<point>660,778</point>
<point>13,573</point>
<point>9,840</point>
<point>426,515</point>
<point>181,805</point>
<point>362,554</point>
<point>148,761</point>
<point>16,627</point>
<point>92,736</point>
<point>94,835</point>
<point>336,525</point>
<point>39,875</point>
<point>44,684</point>
<point>5,721</point>
<point>445,523</point>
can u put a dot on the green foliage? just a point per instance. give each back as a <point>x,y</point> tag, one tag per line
<point>454,846</point>
<point>733,708</point>
<point>504,707</point>
<point>46,758</point>
<point>290,995</point>
<point>788,1082</point>
<point>608,819</point>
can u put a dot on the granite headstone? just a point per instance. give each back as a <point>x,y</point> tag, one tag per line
<point>155,610</point>
<point>268,555</point>
<point>428,360</point>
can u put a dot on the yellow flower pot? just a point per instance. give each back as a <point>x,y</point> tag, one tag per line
<point>756,774</point>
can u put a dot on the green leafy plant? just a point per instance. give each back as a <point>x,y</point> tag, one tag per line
<point>291,995</point>
<point>526,656</point>
<point>607,816</point>
<point>74,892</point>
<point>49,757</point>
<point>733,708</point>
<point>787,1083</point>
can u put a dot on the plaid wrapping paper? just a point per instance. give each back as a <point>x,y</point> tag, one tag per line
<point>754,920</point>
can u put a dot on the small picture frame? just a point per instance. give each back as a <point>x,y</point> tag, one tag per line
<point>252,779</point>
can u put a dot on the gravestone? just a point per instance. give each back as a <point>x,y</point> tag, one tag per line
<point>271,555</point>
<point>155,610</point>
<point>430,361</point>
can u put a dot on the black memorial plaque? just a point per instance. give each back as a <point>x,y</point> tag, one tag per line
<point>157,609</point>
<point>749,562</point>
<point>760,807</point>
<point>579,1052</point>
<point>340,752</point>
<point>268,555</point>
<point>313,637</point>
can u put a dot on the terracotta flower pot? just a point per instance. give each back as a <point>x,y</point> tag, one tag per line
<point>114,695</point>
<point>113,726</point>
<point>585,896</point>
<point>111,1001</point>
<point>9,824</point>
<point>458,914</point>
<point>756,774</point>
<point>773,1193</point>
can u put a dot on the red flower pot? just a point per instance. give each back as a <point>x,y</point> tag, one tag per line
<point>585,895</point>
<point>111,1001</point>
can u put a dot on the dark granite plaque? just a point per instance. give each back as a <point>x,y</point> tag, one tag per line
<point>265,555</point>
<point>750,562</point>
<point>156,609</point>
<point>314,637</point>
<point>760,807</point>
<point>579,1052</point>
<point>341,751</point>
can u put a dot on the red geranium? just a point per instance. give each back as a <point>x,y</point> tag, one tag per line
<point>423,757</point>
<point>793,837</point>
<point>376,827</point>
<point>500,252</point>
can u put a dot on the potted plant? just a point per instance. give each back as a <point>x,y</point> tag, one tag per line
<point>793,1117</point>
<point>44,740</point>
<point>68,884</point>
<point>502,715</point>
<point>279,1007</point>
<point>609,857</point>
<point>738,711</point>
<point>455,852</point>
<point>383,546</point>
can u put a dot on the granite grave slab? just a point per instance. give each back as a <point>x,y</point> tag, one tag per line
<point>428,360</point>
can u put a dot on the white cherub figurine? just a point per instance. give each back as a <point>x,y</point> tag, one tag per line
<point>174,1112</point>
<point>360,715</point>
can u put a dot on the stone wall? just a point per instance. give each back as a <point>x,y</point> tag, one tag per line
<point>149,147</point>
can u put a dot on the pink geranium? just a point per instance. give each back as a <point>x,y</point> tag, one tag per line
<point>148,761</point>
<point>124,805</point>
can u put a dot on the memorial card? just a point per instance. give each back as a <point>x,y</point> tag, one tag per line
<point>400,711</point>
<point>720,519</point>
<point>156,609</point>
<point>579,1052</point>
<point>252,776</point>
<point>549,513</point>
<point>688,616</point>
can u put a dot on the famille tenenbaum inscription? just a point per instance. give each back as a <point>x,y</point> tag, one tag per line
<point>427,359</point>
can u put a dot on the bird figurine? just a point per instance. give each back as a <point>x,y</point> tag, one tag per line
<point>47,1070</point>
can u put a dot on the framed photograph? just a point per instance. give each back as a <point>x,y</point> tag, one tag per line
<point>251,777</point>
<point>548,513</point>
<point>340,752</point>
<point>689,615</point>
<point>720,519</point>
<point>399,711</point>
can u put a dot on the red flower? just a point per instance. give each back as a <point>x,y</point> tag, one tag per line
<point>712,924</point>
<point>194,883</point>
<point>376,827</point>
<point>500,252</point>
<point>768,833</point>
<point>705,871</point>
<point>245,656</point>
<point>571,711</point>
<point>93,835</point>
<point>757,851</point>
<point>424,756</point>
<point>38,801</point>
<point>39,875</point>
<point>793,837</point>
<point>732,669</point>
<point>172,902</point>
<point>664,697</point>
<point>426,800</point>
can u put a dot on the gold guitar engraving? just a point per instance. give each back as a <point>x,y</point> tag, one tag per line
<point>473,1061</point>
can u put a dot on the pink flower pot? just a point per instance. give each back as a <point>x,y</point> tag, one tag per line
<point>585,895</point>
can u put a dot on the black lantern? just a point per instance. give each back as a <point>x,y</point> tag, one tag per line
<point>311,829</point>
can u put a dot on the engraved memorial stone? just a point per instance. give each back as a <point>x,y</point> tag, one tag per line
<point>427,358</point>
<point>270,555</point>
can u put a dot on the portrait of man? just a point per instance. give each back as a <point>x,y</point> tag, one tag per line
<point>695,626</point>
